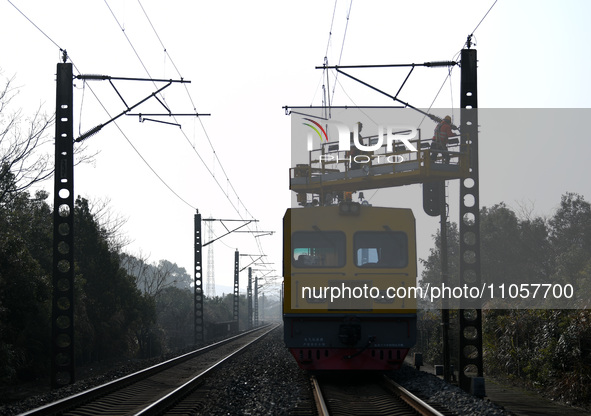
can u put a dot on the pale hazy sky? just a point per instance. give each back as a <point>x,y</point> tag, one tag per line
<point>246,60</point>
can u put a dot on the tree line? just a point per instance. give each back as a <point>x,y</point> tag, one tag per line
<point>547,349</point>
<point>124,306</point>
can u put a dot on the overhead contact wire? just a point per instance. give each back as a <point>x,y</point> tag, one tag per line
<point>342,47</point>
<point>229,182</point>
<point>200,121</point>
<point>150,76</point>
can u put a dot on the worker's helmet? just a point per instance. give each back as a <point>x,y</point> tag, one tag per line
<point>448,119</point>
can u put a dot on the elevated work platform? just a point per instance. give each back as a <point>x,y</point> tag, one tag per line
<point>333,171</point>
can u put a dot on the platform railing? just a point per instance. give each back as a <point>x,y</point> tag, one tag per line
<point>329,168</point>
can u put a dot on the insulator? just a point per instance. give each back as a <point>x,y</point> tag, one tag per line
<point>440,63</point>
<point>89,133</point>
<point>94,77</point>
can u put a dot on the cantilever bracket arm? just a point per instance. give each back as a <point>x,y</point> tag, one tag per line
<point>229,231</point>
<point>98,128</point>
<point>395,98</point>
<point>427,64</point>
<point>251,263</point>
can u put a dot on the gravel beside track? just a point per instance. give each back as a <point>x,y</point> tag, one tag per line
<point>428,386</point>
<point>264,380</point>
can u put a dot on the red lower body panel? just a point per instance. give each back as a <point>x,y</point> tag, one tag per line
<point>349,358</point>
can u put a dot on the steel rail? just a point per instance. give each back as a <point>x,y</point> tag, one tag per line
<point>403,401</point>
<point>86,396</point>
<point>318,398</point>
<point>168,401</point>
<point>419,405</point>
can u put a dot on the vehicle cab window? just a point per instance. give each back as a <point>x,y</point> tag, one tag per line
<point>380,249</point>
<point>318,249</point>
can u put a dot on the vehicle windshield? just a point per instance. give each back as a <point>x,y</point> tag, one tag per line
<point>318,249</point>
<point>381,249</point>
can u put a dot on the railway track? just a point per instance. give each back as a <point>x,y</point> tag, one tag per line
<point>374,397</point>
<point>156,390</point>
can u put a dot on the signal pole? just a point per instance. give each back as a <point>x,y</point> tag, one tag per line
<point>470,313</point>
<point>198,295</point>
<point>62,320</point>
<point>444,282</point>
<point>256,302</point>
<point>249,297</point>
<point>236,315</point>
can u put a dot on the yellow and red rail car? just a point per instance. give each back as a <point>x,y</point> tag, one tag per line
<point>344,266</point>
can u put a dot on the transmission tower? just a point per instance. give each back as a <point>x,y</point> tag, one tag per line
<point>210,286</point>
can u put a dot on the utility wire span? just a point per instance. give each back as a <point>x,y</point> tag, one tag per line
<point>102,105</point>
<point>37,27</point>
<point>229,182</point>
<point>451,68</point>
<point>148,72</point>
<point>342,47</point>
<point>325,72</point>
<point>216,158</point>
<point>128,40</point>
<point>321,78</point>
<point>486,14</point>
<point>331,25</point>
<point>469,42</point>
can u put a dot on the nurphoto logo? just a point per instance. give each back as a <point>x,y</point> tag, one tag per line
<point>348,136</point>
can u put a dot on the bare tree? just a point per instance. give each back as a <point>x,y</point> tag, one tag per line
<point>26,151</point>
<point>22,163</point>
<point>111,223</point>
<point>153,278</point>
<point>138,267</point>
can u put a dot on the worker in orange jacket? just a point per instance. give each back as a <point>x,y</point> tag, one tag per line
<point>443,131</point>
